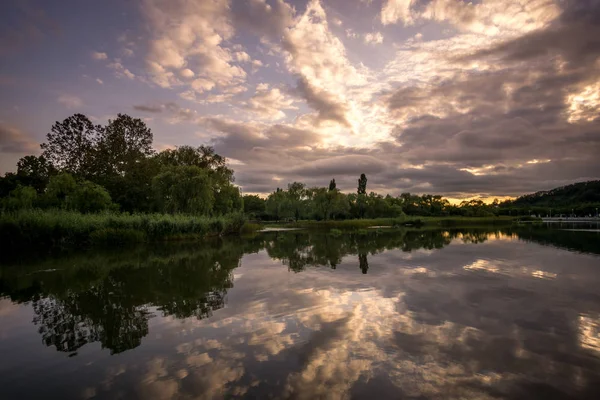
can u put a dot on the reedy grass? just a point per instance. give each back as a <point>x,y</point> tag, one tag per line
<point>60,228</point>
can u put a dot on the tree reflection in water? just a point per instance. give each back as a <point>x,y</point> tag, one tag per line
<point>109,297</point>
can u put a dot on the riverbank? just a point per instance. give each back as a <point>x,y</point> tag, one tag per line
<point>69,229</point>
<point>397,222</point>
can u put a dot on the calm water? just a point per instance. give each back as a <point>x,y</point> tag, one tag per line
<point>390,315</point>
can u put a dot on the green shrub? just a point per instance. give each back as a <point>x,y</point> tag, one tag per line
<point>21,198</point>
<point>89,198</point>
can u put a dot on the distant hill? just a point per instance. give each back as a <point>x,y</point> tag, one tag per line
<point>575,195</point>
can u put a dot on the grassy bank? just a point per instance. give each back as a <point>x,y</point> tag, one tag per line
<point>67,229</point>
<point>399,222</point>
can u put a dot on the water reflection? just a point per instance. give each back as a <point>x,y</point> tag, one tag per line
<point>409,314</point>
<point>107,298</point>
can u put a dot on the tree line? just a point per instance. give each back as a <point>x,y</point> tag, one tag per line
<point>324,203</point>
<point>91,168</point>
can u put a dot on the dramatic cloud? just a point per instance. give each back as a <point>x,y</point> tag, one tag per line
<point>270,103</point>
<point>190,36</point>
<point>487,97</point>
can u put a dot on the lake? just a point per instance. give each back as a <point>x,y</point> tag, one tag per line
<point>424,314</point>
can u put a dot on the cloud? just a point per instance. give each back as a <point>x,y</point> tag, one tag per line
<point>99,56</point>
<point>488,17</point>
<point>327,106</point>
<point>190,36</point>
<point>14,141</point>
<point>374,38</point>
<point>119,70</point>
<point>341,165</point>
<point>149,108</point>
<point>269,103</point>
<point>70,101</point>
<point>463,107</point>
<point>100,81</point>
<point>397,10</point>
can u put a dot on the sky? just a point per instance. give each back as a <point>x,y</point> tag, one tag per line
<point>484,98</point>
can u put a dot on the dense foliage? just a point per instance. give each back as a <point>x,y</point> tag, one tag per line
<point>90,168</point>
<point>60,229</point>
<point>581,199</point>
<point>325,203</point>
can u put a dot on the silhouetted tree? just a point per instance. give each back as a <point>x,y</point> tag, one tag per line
<point>332,185</point>
<point>70,146</point>
<point>35,172</point>
<point>362,184</point>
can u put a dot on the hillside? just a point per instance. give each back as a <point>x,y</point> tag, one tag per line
<point>574,195</point>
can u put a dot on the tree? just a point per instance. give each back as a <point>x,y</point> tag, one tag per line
<point>362,184</point>
<point>296,195</point>
<point>332,185</point>
<point>328,202</point>
<point>71,144</point>
<point>275,206</point>
<point>88,198</point>
<point>23,197</point>
<point>254,206</point>
<point>227,200</point>
<point>203,157</point>
<point>124,142</point>
<point>35,171</point>
<point>60,187</point>
<point>183,189</point>
<point>133,191</point>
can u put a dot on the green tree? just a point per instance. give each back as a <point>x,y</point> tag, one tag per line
<point>183,189</point>
<point>327,203</point>
<point>254,206</point>
<point>296,196</point>
<point>133,190</point>
<point>89,197</point>
<point>70,146</point>
<point>227,200</point>
<point>23,197</point>
<point>60,187</point>
<point>277,205</point>
<point>203,157</point>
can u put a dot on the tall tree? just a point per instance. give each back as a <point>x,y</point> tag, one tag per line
<point>70,145</point>
<point>362,184</point>
<point>332,185</point>
<point>124,142</point>
<point>35,171</point>
<point>296,195</point>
